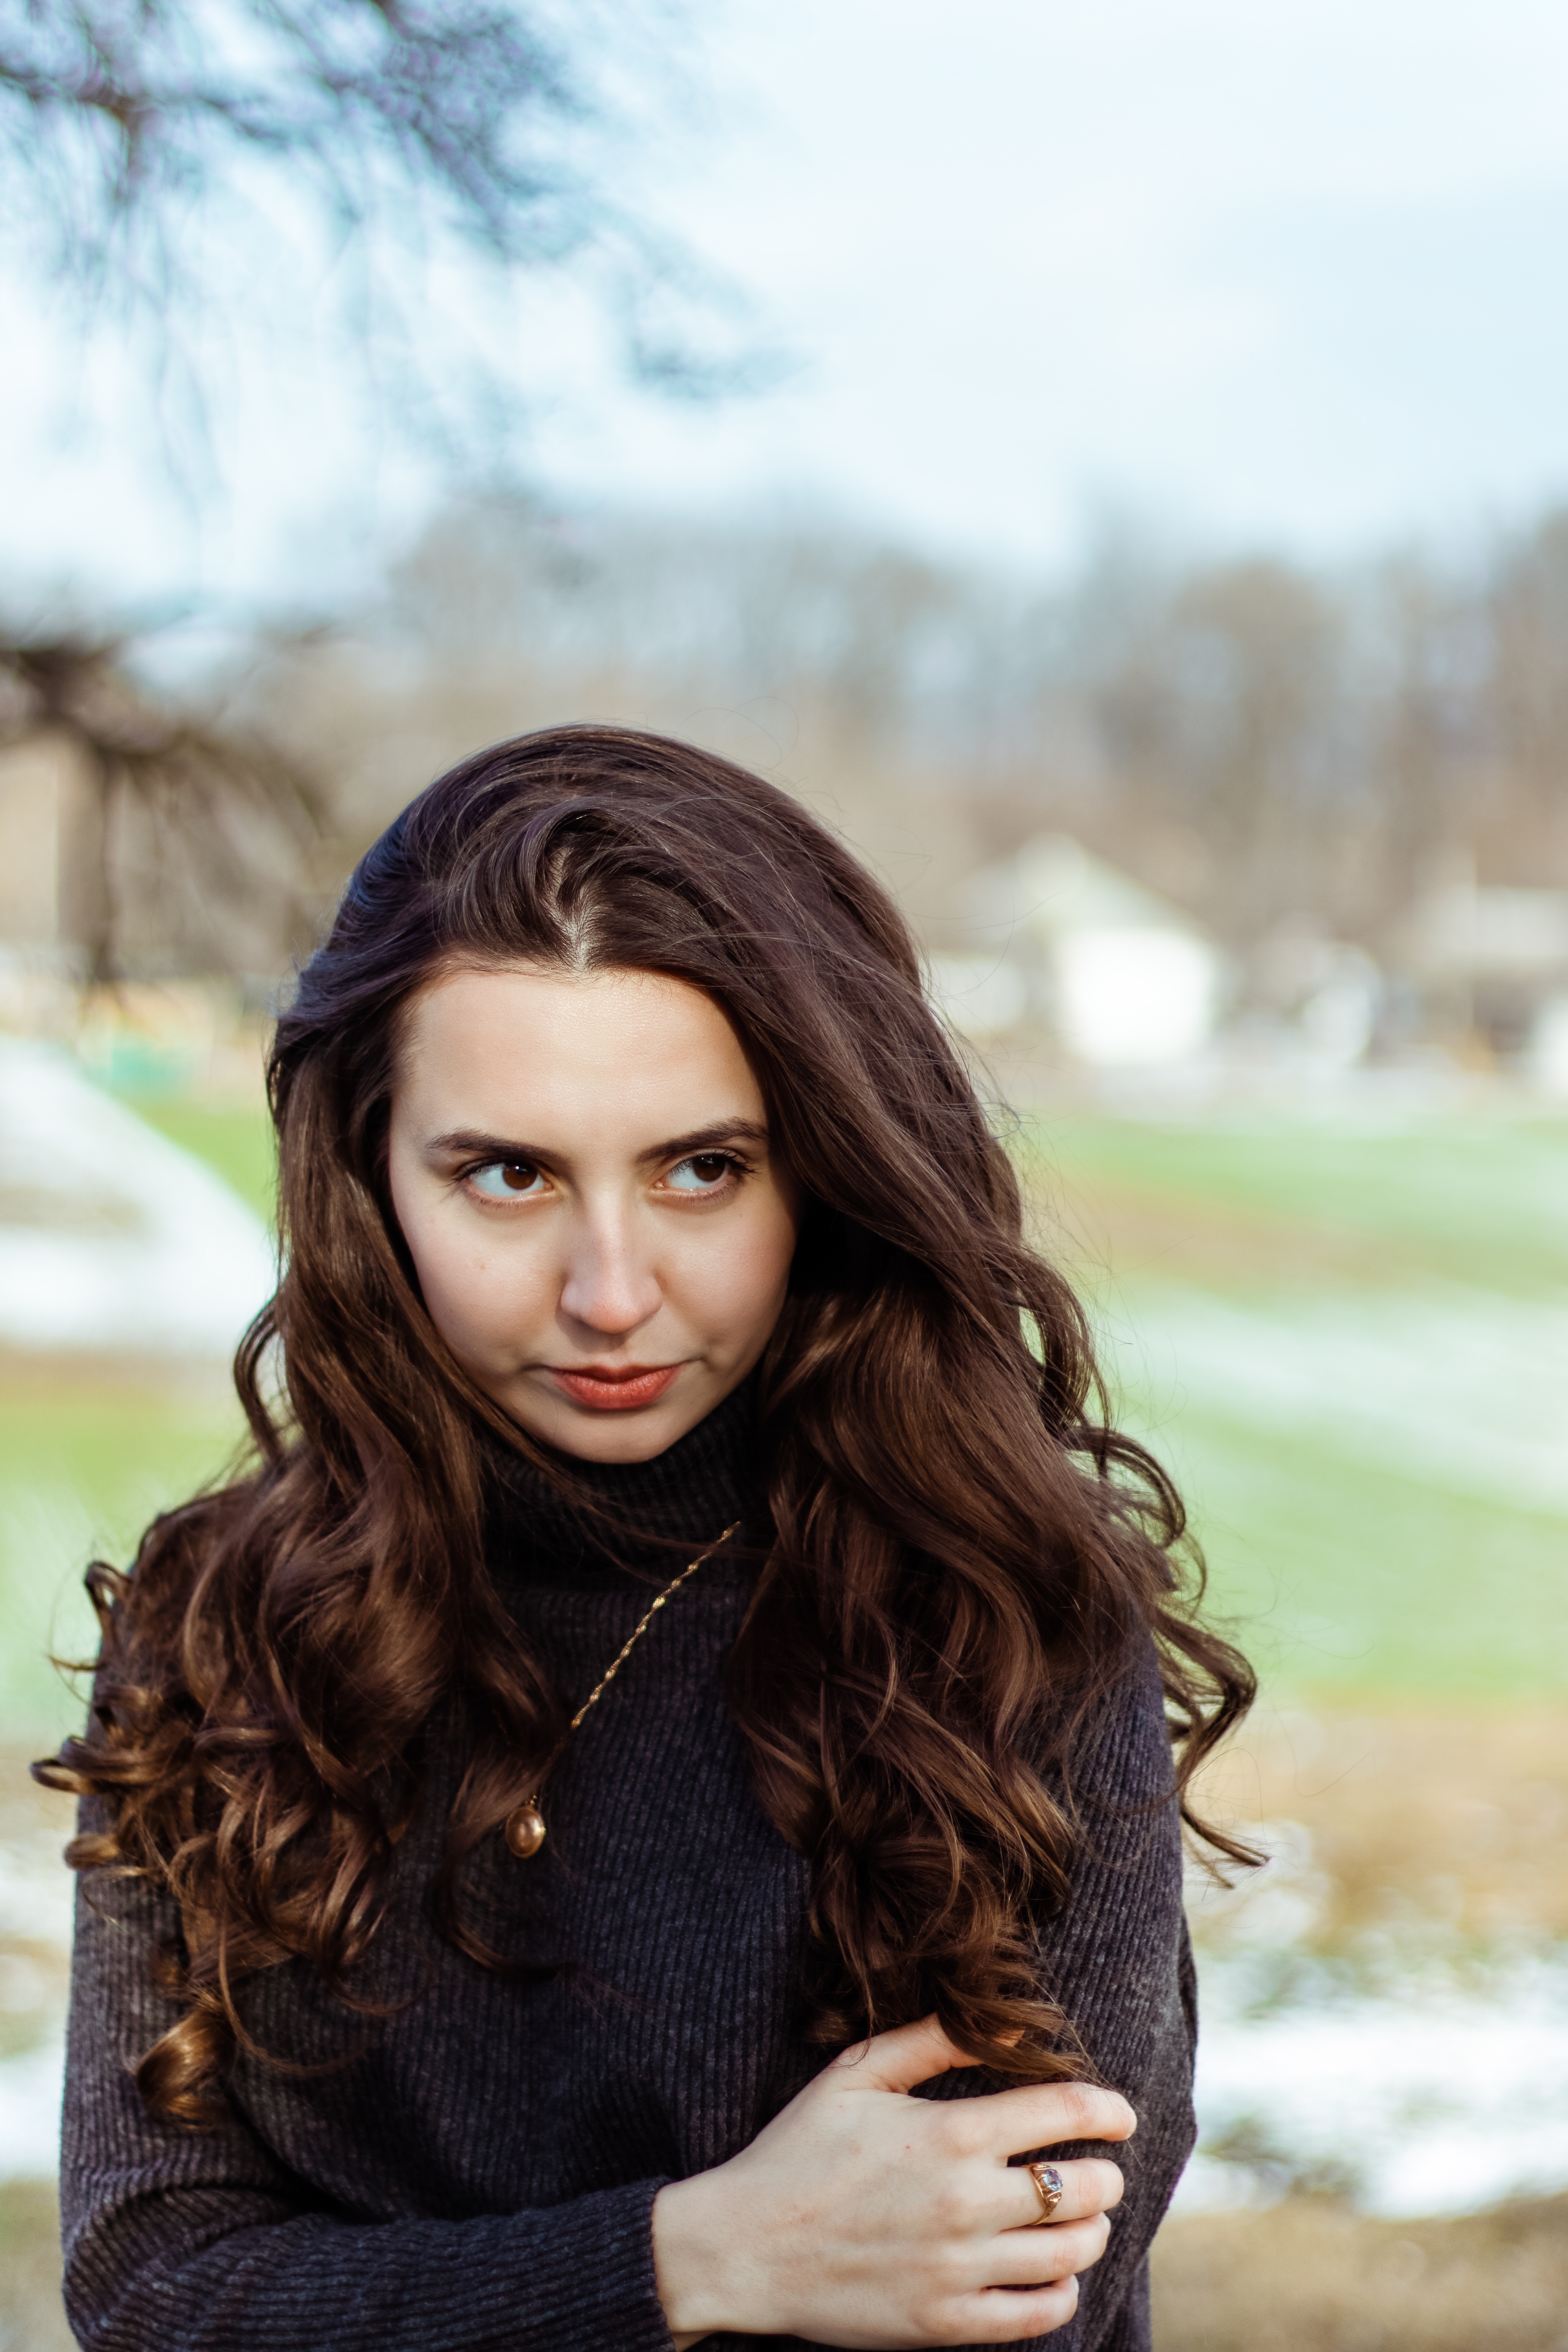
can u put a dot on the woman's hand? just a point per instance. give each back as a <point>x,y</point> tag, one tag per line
<point>863,2218</point>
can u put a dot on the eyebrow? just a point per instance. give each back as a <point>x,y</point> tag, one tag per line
<point>471,1144</point>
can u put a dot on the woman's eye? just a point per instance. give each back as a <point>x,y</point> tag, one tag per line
<point>703,1173</point>
<point>506,1179</point>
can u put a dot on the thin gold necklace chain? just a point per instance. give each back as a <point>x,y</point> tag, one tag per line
<point>640,1628</point>
<point>524,1827</point>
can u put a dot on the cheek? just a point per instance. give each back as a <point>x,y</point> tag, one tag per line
<point>476,1292</point>
<point>734,1288</point>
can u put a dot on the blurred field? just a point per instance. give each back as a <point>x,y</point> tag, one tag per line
<point>85,1462</point>
<point>88,1453</point>
<point>1428,1828</point>
<point>1351,1347</point>
<point>31,2319</point>
<point>1312,2276</point>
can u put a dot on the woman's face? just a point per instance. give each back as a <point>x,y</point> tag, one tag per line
<point>579,1166</point>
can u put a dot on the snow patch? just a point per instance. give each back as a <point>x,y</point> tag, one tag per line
<point>112,1238</point>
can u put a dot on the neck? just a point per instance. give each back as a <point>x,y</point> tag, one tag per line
<point>596,1524</point>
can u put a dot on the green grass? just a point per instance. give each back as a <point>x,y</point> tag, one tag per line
<point>1342,1574</point>
<point>85,1464</point>
<point>1478,1201</point>
<point>83,1467</point>
<point>1338,1577</point>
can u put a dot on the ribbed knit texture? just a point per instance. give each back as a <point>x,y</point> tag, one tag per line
<point>478,2177</point>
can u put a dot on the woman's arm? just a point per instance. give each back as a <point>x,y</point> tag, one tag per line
<point>863,2218</point>
<point>201,2242</point>
<point>859,2216</point>
<point>1119,1963</point>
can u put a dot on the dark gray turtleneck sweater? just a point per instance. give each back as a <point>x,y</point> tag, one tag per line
<point>478,2177</point>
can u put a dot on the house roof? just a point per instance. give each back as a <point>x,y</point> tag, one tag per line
<point>1053,886</point>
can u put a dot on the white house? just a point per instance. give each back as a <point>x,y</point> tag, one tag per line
<point>1124,978</point>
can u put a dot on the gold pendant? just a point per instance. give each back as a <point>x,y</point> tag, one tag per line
<point>524,1826</point>
<point>525,1830</point>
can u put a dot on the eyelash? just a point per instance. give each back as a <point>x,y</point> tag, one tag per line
<point>465,1175</point>
<point>732,1161</point>
<point>737,1167</point>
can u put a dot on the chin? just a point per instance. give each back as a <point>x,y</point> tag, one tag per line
<point>621,1436</point>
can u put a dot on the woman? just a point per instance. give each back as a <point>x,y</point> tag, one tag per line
<point>684,1621</point>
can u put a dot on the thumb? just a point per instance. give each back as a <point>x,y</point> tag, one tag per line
<point>897,2061</point>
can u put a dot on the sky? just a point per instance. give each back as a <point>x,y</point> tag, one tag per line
<point>1291,275</point>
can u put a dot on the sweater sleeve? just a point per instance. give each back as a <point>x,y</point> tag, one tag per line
<point>180,2241</point>
<point>1119,1963</point>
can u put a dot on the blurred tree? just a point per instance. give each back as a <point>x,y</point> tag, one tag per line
<point>1214,697</point>
<point>1527,692</point>
<point>353,127</point>
<point>1268,745</point>
<point>196,839</point>
<point>1426,754</point>
<point>153,155</point>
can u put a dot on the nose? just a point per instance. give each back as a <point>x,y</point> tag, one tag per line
<point>610,1287</point>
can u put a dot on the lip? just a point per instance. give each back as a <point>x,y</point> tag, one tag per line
<point>604,1389</point>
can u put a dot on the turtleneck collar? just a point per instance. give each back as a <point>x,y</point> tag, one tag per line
<point>688,1495</point>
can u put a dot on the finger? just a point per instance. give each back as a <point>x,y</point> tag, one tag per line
<point>1042,2114</point>
<point>1090,2184</point>
<point>909,2055</point>
<point>1021,2258</point>
<point>1012,2315</point>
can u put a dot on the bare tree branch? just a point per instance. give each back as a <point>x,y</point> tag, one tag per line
<point>235,823</point>
<point>481,121</point>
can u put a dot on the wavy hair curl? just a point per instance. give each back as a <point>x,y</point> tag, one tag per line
<point>962,1547</point>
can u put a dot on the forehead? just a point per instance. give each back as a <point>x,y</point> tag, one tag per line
<point>491,1048</point>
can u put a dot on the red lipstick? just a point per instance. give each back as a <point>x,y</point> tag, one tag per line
<point>607,1390</point>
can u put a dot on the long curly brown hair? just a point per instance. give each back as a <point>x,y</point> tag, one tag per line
<point>963,1553</point>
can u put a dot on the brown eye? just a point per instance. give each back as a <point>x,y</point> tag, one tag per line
<point>703,1172</point>
<point>505,1177</point>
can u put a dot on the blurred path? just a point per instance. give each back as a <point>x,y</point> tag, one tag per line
<point>112,1240</point>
